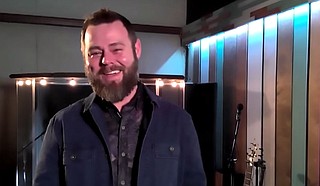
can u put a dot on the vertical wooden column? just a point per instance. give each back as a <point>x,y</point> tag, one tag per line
<point>284,99</point>
<point>193,62</point>
<point>299,93</point>
<point>212,60</point>
<point>241,66</point>
<point>269,97</point>
<point>219,109</point>
<point>235,81</point>
<point>196,64</point>
<point>229,82</point>
<point>313,147</point>
<point>204,60</point>
<point>254,88</point>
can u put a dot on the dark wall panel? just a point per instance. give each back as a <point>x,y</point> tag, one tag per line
<point>201,104</point>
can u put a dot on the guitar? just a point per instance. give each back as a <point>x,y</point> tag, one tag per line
<point>251,159</point>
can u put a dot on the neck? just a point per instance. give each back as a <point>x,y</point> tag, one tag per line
<point>126,99</point>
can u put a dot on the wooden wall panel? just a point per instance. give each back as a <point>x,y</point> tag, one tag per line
<point>229,93</point>
<point>196,64</point>
<point>272,68</point>
<point>204,60</point>
<point>254,88</point>
<point>284,99</point>
<point>235,79</point>
<point>190,58</point>
<point>299,94</point>
<point>313,147</point>
<point>220,96</point>
<point>212,60</point>
<point>241,65</point>
<point>269,98</point>
<point>193,64</point>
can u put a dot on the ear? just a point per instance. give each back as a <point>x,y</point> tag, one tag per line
<point>137,47</point>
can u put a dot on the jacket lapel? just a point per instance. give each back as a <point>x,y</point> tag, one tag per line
<point>94,116</point>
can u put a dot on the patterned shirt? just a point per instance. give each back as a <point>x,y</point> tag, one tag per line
<point>123,132</point>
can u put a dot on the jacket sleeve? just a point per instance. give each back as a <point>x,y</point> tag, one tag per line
<point>50,159</point>
<point>193,166</point>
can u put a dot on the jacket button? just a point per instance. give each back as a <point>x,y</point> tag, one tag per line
<point>122,182</point>
<point>73,157</point>
<point>171,148</point>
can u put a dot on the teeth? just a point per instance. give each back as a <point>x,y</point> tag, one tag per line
<point>113,72</point>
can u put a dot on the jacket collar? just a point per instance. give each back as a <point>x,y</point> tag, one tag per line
<point>88,101</point>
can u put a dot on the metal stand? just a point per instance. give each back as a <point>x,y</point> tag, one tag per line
<point>232,160</point>
<point>260,165</point>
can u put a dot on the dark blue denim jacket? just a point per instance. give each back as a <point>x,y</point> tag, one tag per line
<point>75,153</point>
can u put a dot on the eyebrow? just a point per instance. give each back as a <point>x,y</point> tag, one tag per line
<point>116,44</point>
<point>110,46</point>
<point>95,48</point>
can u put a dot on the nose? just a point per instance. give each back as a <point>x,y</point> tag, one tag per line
<point>106,59</point>
<point>103,60</point>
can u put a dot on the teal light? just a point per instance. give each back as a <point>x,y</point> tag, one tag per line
<point>205,42</point>
<point>302,9</point>
<point>204,60</point>
<point>220,36</point>
<point>300,92</point>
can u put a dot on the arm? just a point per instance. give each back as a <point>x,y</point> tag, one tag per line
<point>49,167</point>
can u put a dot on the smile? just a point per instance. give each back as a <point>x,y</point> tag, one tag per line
<point>113,72</point>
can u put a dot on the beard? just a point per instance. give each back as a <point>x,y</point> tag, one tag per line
<point>112,91</point>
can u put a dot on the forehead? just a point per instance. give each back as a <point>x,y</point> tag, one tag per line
<point>109,32</point>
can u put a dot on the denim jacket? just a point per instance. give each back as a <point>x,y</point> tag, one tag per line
<point>75,153</point>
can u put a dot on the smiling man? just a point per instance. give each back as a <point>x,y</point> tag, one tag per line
<point>111,61</point>
<point>122,134</point>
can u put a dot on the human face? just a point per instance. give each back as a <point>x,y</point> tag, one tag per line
<point>111,60</point>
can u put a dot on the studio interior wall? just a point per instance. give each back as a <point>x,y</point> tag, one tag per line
<point>271,66</point>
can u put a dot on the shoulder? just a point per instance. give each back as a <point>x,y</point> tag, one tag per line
<point>73,110</point>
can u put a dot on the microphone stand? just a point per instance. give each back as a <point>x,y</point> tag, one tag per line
<point>31,142</point>
<point>24,156</point>
<point>232,160</point>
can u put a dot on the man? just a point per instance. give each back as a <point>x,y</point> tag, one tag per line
<point>122,134</point>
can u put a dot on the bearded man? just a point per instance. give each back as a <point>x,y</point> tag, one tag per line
<point>122,134</point>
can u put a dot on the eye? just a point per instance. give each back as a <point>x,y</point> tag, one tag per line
<point>117,50</point>
<point>95,54</point>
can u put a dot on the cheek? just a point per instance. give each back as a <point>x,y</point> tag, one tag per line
<point>127,59</point>
<point>92,67</point>
<point>124,59</point>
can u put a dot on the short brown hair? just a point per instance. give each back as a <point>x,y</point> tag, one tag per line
<point>107,16</point>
